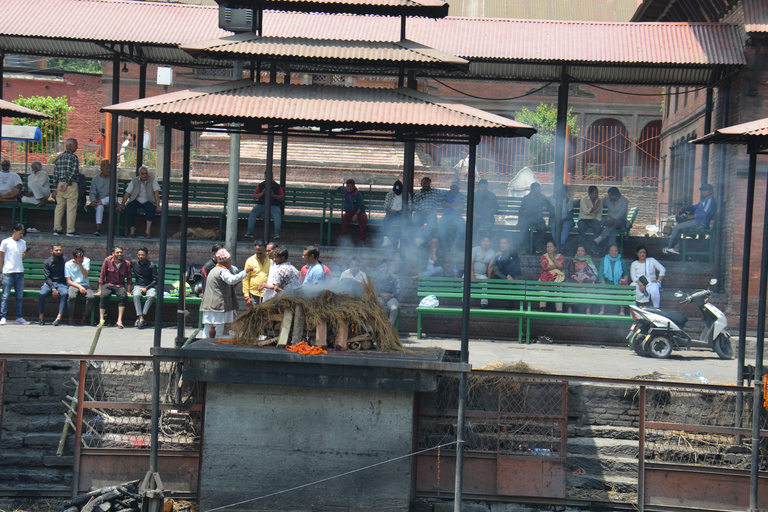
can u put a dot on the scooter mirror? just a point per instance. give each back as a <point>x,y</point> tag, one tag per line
<point>712,282</point>
<point>678,294</point>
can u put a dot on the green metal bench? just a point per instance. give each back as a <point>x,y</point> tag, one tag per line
<point>537,292</point>
<point>13,207</point>
<point>491,289</point>
<point>33,271</point>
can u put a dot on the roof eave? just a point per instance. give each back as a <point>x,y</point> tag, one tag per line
<point>339,8</point>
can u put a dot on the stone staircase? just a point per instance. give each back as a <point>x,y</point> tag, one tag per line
<point>602,463</point>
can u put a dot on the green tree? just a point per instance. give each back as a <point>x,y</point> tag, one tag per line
<point>51,129</point>
<point>92,67</point>
<point>544,119</point>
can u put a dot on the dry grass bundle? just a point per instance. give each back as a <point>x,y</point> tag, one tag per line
<point>502,384</point>
<point>327,306</point>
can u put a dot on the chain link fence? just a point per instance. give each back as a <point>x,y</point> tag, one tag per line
<point>118,403</point>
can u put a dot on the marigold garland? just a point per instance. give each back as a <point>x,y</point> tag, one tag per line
<point>304,348</point>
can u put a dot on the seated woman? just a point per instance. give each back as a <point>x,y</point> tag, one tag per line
<point>433,261</point>
<point>581,269</point>
<point>646,274</point>
<point>552,265</point>
<point>613,270</point>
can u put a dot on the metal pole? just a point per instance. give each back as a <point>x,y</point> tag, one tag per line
<point>718,241</point>
<point>2,74</point>
<point>284,145</point>
<point>757,403</point>
<point>465,324</point>
<point>140,129</point>
<point>559,174</point>
<point>745,263</point>
<point>707,129</point>
<point>409,166</point>
<point>180,312</point>
<point>641,454</point>
<point>268,180</point>
<point>234,179</point>
<point>113,145</point>
<point>78,429</point>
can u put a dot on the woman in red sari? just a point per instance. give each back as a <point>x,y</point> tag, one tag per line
<point>552,264</point>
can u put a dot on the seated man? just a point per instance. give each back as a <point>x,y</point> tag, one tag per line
<point>387,287</point>
<point>590,212</point>
<point>482,261</point>
<point>10,183</point>
<point>353,279</point>
<point>277,197</point>
<point>144,284</point>
<point>425,204</point>
<point>39,186</point>
<point>55,284</point>
<point>99,194</point>
<point>615,218</point>
<point>697,216</point>
<point>453,207</point>
<point>533,209</point>
<point>76,271</point>
<point>354,210</point>
<point>506,263</point>
<point>143,192</point>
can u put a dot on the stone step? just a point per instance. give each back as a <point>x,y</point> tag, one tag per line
<point>602,465</point>
<point>613,483</point>
<point>603,447</point>
<point>601,432</point>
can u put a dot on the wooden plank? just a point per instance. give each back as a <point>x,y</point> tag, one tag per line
<point>298,324</point>
<point>321,334</point>
<point>286,328</point>
<point>342,333</point>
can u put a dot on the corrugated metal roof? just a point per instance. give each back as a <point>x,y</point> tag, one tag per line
<point>755,16</point>
<point>8,109</point>
<point>582,10</point>
<point>426,8</point>
<point>245,46</point>
<point>753,133</point>
<point>325,106</point>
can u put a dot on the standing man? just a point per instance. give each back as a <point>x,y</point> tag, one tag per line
<point>219,303</point>
<point>425,203</point>
<point>566,212</point>
<point>115,278</point>
<point>76,271</point>
<point>66,175</point>
<point>278,196</point>
<point>259,264</point>
<point>697,217</point>
<point>393,215</point>
<point>10,183</point>
<point>482,263</point>
<point>55,284</point>
<point>313,272</point>
<point>13,251</point>
<point>533,208</point>
<point>281,273</point>
<point>615,218</point>
<point>208,266</point>
<point>387,287</point>
<point>141,191</point>
<point>99,194</point>
<point>39,186</point>
<point>486,206</point>
<point>144,284</point>
<point>453,206</point>
<point>590,212</point>
<point>354,210</point>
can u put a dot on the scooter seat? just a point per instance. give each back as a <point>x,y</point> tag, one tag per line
<point>679,318</point>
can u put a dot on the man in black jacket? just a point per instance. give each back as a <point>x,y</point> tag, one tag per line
<point>55,284</point>
<point>144,284</point>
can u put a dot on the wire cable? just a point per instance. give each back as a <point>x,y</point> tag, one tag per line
<point>492,99</point>
<point>679,91</point>
<point>331,477</point>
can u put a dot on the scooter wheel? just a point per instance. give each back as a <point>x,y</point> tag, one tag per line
<point>723,347</point>
<point>637,344</point>
<point>660,347</point>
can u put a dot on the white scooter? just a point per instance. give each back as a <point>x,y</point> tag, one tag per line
<point>657,332</point>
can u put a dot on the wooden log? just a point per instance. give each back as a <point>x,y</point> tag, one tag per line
<point>362,337</point>
<point>321,333</point>
<point>342,333</point>
<point>298,324</point>
<point>269,341</point>
<point>286,328</point>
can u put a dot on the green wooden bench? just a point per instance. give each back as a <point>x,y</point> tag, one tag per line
<point>13,206</point>
<point>33,271</point>
<point>301,205</point>
<point>700,237</point>
<point>631,217</point>
<point>537,292</point>
<point>452,289</point>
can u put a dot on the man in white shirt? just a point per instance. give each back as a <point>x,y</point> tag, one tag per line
<point>10,183</point>
<point>13,251</point>
<point>590,212</point>
<point>39,186</point>
<point>143,192</point>
<point>76,271</point>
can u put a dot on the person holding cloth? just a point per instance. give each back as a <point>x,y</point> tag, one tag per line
<point>219,303</point>
<point>140,194</point>
<point>646,274</point>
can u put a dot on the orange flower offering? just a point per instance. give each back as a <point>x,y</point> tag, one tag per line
<point>304,348</point>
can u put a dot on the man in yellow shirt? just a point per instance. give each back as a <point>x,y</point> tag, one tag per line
<point>259,274</point>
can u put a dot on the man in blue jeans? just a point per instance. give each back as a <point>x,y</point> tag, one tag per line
<point>55,284</point>
<point>13,251</point>
<point>276,200</point>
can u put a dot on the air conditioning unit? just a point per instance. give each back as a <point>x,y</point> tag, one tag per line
<point>236,20</point>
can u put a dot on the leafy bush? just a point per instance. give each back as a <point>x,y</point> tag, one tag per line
<point>52,129</point>
<point>544,119</point>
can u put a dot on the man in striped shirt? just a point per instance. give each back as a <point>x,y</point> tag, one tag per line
<point>66,173</point>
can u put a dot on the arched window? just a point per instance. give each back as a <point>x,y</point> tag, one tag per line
<point>606,150</point>
<point>647,157</point>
